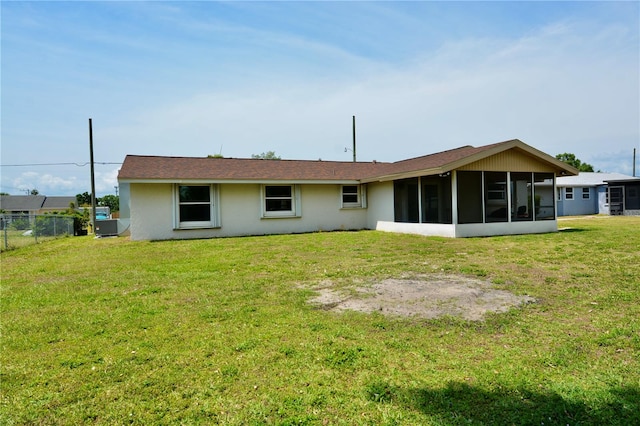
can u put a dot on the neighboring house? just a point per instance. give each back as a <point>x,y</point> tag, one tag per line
<point>624,196</point>
<point>32,205</point>
<point>503,188</point>
<point>588,193</point>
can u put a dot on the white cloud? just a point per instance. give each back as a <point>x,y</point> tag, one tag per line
<point>569,86</point>
<point>562,89</point>
<point>106,181</point>
<point>61,181</point>
<point>45,183</point>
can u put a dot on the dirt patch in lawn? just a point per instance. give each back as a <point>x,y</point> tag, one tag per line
<point>428,296</point>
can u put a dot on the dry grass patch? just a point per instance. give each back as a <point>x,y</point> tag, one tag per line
<point>425,296</point>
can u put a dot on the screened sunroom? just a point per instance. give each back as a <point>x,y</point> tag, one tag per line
<point>500,202</point>
<point>505,188</point>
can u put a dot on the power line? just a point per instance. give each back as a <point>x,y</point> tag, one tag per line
<point>54,164</point>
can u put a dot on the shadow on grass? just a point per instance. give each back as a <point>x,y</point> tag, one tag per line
<point>460,403</point>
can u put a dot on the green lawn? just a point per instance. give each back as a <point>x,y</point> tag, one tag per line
<point>110,331</point>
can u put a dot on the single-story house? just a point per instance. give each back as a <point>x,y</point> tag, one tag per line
<point>497,189</point>
<point>588,193</point>
<point>624,196</point>
<point>14,206</point>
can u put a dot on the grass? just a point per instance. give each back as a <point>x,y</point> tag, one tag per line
<point>12,239</point>
<point>111,331</point>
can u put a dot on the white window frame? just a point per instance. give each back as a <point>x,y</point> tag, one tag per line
<point>361,197</point>
<point>568,193</point>
<point>296,210</point>
<point>214,209</point>
<point>587,192</point>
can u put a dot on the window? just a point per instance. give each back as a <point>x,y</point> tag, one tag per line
<point>197,206</point>
<point>469,193</point>
<point>495,202</point>
<point>405,200</point>
<point>353,196</point>
<point>585,193</point>
<point>521,200</point>
<point>543,196</point>
<point>435,196</point>
<point>280,201</point>
<point>568,193</point>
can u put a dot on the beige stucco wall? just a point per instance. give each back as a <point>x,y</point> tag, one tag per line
<point>152,212</point>
<point>380,203</point>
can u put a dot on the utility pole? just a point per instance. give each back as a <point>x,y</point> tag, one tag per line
<point>354,138</point>
<point>93,180</point>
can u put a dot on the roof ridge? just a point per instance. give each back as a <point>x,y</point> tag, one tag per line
<point>255,159</point>
<point>435,153</point>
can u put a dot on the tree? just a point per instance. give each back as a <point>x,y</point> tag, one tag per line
<point>34,192</point>
<point>571,160</point>
<point>84,199</point>
<point>269,155</point>
<point>111,201</point>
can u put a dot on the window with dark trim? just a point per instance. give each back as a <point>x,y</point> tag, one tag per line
<point>568,193</point>
<point>585,193</point>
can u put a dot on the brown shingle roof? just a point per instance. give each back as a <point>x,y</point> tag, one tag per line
<point>192,168</point>
<point>197,168</point>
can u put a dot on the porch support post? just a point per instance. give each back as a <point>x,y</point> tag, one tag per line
<point>484,208</point>
<point>507,186</point>
<point>419,199</point>
<point>454,197</point>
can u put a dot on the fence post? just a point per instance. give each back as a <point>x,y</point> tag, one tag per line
<point>4,231</point>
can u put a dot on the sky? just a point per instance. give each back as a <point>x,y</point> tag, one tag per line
<point>242,78</point>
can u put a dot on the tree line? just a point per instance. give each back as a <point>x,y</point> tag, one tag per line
<point>111,201</point>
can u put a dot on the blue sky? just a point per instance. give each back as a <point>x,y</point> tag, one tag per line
<point>241,78</point>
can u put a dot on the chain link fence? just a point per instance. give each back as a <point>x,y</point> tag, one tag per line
<point>23,230</point>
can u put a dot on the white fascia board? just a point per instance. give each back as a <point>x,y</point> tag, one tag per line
<point>579,184</point>
<point>406,175</point>
<point>243,181</point>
